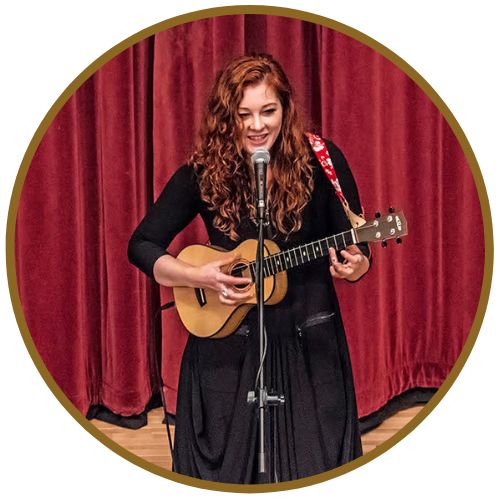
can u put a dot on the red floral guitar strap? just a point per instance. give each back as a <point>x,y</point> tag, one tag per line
<point>320,150</point>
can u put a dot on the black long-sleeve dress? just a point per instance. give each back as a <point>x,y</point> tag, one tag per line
<point>307,354</point>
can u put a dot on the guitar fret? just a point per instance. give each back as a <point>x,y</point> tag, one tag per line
<point>348,235</point>
<point>304,254</point>
<point>337,246</point>
<point>270,265</point>
<point>353,236</point>
<point>281,257</point>
<point>321,249</point>
<point>297,249</point>
<point>288,259</point>
<point>330,242</point>
<point>324,251</point>
<point>257,269</point>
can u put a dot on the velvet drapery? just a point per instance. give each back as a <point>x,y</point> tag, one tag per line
<point>123,133</point>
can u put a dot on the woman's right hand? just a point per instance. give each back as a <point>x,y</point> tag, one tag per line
<point>212,276</point>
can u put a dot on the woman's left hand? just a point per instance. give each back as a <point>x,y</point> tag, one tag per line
<point>354,266</point>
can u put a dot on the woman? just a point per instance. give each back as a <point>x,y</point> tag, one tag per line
<point>251,106</point>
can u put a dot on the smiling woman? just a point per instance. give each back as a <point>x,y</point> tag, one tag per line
<point>251,106</point>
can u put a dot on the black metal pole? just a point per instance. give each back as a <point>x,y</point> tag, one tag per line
<point>262,458</point>
<point>260,160</point>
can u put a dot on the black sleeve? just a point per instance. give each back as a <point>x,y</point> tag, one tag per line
<point>350,191</point>
<point>174,209</point>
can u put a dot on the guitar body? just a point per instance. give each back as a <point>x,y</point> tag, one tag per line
<point>201,311</point>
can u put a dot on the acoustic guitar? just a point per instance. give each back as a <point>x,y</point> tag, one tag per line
<point>203,314</point>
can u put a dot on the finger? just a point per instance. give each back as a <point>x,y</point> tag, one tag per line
<point>333,255</point>
<point>357,258</point>
<point>340,271</point>
<point>353,249</point>
<point>233,280</point>
<point>240,296</point>
<point>224,295</point>
<point>231,297</point>
<point>226,301</point>
<point>334,273</point>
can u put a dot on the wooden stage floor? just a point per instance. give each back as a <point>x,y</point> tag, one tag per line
<point>151,443</point>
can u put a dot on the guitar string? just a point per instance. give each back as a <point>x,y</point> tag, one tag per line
<point>303,251</point>
<point>272,263</point>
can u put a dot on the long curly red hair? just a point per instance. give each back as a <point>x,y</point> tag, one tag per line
<point>223,166</point>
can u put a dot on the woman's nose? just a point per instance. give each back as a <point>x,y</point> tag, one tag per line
<point>257,123</point>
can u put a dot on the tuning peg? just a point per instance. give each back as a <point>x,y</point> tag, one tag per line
<point>391,210</point>
<point>399,241</point>
<point>377,215</point>
<point>384,243</point>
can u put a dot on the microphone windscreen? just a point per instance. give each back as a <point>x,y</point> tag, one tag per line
<point>261,154</point>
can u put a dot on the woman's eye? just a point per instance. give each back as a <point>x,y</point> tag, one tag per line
<point>269,111</point>
<point>244,115</point>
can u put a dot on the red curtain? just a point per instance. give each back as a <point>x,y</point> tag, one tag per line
<point>125,131</point>
<point>87,309</point>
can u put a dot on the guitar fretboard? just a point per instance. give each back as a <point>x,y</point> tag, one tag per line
<point>303,254</point>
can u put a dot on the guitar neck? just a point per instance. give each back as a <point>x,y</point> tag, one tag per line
<point>303,254</point>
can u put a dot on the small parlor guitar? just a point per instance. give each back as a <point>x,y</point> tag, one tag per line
<point>200,309</point>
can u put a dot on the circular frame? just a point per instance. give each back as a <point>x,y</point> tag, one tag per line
<point>295,14</point>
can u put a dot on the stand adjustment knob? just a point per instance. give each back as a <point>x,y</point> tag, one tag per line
<point>251,398</point>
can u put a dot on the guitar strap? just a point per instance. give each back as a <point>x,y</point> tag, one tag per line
<point>321,151</point>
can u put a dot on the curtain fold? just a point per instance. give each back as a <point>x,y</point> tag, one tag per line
<point>87,309</point>
<point>124,132</point>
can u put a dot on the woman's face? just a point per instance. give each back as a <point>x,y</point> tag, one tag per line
<point>261,114</point>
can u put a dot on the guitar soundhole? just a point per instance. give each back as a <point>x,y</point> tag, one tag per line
<point>241,269</point>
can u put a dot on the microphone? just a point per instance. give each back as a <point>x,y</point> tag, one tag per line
<point>260,160</point>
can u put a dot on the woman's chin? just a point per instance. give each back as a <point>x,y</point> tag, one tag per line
<point>252,145</point>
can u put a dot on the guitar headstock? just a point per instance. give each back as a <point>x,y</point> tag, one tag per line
<point>389,226</point>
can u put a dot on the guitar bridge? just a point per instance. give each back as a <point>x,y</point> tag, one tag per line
<point>200,296</point>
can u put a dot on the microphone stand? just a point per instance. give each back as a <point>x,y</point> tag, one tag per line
<point>262,398</point>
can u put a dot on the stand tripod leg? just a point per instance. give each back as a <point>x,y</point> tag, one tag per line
<point>158,343</point>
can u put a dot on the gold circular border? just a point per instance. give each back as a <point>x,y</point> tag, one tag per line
<point>295,14</point>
